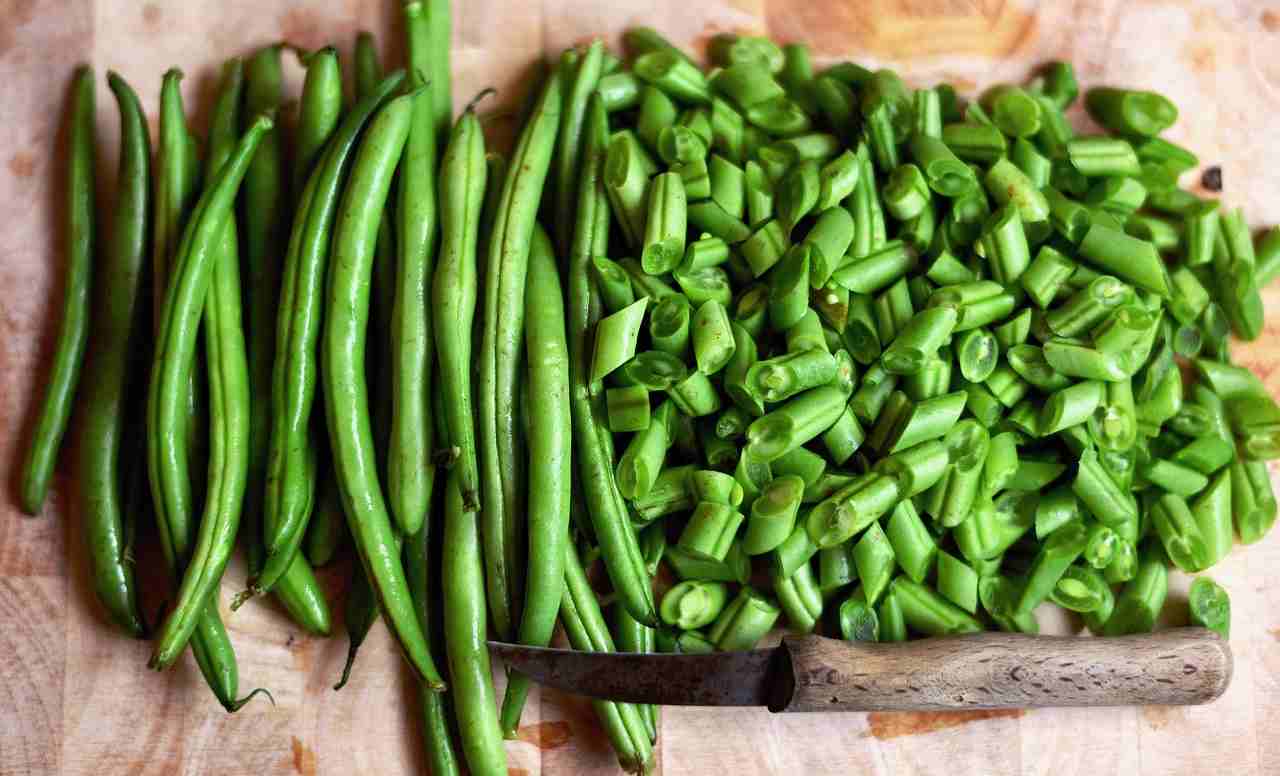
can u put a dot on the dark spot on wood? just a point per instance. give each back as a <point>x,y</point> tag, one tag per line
<point>1271,20</point>
<point>1188,669</point>
<point>513,771</point>
<point>834,700</point>
<point>151,14</point>
<point>1212,178</point>
<point>886,725</point>
<point>22,164</point>
<point>289,641</point>
<point>552,734</point>
<point>304,760</point>
<point>861,688</point>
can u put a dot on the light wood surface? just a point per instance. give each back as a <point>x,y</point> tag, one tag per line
<point>75,698</point>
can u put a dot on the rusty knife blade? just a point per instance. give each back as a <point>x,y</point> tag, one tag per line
<point>720,679</point>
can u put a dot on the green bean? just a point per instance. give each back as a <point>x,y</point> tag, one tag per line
<point>409,464</point>
<point>977,353</point>
<point>919,339</point>
<point>1121,197</point>
<point>265,203</point>
<point>586,77</point>
<point>743,622</point>
<point>728,185</point>
<point>1130,112</point>
<point>974,142</point>
<point>1059,550</point>
<point>320,110</point>
<point>798,193</point>
<point>1004,242</point>
<point>874,558</point>
<point>1071,406</point>
<point>102,469</point>
<point>1210,606</point>
<point>626,181</point>
<point>1267,255</point>
<point>290,480</point>
<point>773,514</point>
<point>619,91</point>
<point>1179,533</point>
<point>73,332</point>
<point>462,191</point>
<point>1008,185</point>
<point>550,446</point>
<point>464,618</point>
<point>501,471</point>
<point>673,74</point>
<point>205,275</point>
<point>665,225</point>
<point>641,40</point>
<point>800,598</point>
<point>958,582</point>
<point>917,468</point>
<point>1252,500</point>
<point>1102,157</point>
<point>713,338</point>
<point>929,613</point>
<point>851,509</point>
<point>859,620</point>
<point>345,390</point>
<point>368,71</point>
<point>710,531</point>
<point>1141,599</point>
<point>693,604</point>
<point>877,270</point>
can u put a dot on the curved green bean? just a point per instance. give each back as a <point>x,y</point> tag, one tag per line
<point>73,331</point>
<point>105,406</point>
<point>506,270</point>
<point>206,275</point>
<point>346,392</point>
<point>550,445</point>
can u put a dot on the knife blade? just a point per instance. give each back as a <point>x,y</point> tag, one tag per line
<point>1182,666</point>
<point>719,679</point>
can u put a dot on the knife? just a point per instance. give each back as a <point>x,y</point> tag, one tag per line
<point>1182,666</point>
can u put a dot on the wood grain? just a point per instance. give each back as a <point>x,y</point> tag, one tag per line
<point>74,697</point>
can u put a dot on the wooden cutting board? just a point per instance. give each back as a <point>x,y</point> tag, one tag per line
<point>75,697</point>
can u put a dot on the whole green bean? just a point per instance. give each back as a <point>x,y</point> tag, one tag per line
<point>290,457</point>
<point>453,292</point>
<point>410,466</point>
<point>498,364</point>
<point>105,407</point>
<point>549,460</point>
<point>73,331</point>
<point>345,388</point>
<point>206,275</point>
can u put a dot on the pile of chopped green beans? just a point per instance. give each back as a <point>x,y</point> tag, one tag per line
<point>774,346</point>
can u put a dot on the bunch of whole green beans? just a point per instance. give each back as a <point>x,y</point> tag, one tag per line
<point>921,363</point>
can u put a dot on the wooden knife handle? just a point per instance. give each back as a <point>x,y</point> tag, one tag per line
<point>1002,670</point>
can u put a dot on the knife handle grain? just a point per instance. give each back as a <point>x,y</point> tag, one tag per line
<point>1003,670</point>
